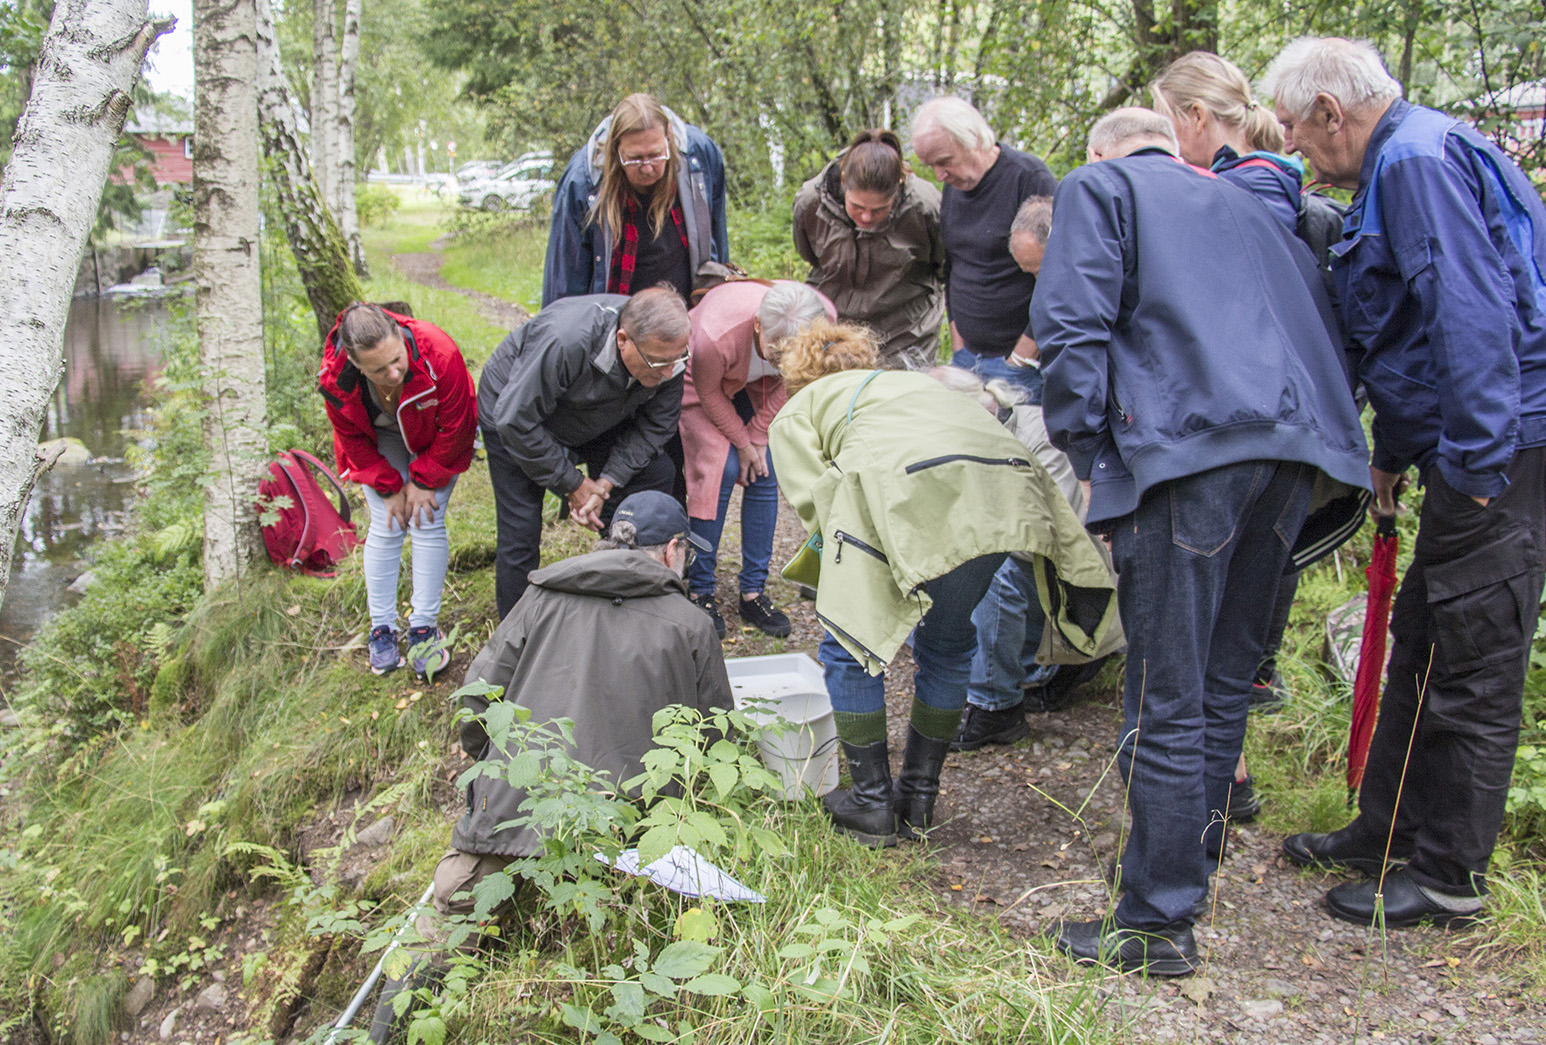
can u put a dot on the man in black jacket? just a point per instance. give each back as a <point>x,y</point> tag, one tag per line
<point>595,381</point>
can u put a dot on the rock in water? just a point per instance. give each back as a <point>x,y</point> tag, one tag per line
<point>72,453</point>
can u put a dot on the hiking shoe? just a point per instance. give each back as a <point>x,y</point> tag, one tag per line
<point>1062,689</point>
<point>1244,802</point>
<point>761,614</point>
<point>384,655</point>
<point>1267,694</point>
<point>429,656</point>
<point>980,726</point>
<point>706,603</point>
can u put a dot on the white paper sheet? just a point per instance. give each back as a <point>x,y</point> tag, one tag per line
<point>683,871</point>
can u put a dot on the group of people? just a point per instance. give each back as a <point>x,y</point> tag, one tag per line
<point>1159,430</point>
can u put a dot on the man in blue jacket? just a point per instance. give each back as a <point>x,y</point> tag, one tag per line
<point>1441,277</point>
<point>641,202</point>
<point>1196,380</point>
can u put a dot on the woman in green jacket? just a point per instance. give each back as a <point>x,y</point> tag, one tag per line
<point>913,495</point>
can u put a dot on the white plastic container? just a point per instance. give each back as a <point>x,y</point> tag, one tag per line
<point>790,686</point>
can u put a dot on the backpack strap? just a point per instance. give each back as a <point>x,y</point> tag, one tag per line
<point>327,473</point>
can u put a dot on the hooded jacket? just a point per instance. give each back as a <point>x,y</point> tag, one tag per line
<point>579,257</point>
<point>890,278</point>
<point>1442,278</point>
<point>557,382</point>
<point>1183,328</point>
<point>437,414</point>
<point>904,480</point>
<point>606,640</point>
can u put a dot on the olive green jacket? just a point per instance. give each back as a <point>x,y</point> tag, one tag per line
<point>904,480</point>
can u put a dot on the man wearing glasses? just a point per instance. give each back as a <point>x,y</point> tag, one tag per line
<point>596,381</point>
<point>641,203</point>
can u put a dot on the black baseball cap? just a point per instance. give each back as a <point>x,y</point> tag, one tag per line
<point>657,517</point>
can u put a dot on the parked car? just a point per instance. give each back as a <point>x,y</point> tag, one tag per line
<point>477,170</point>
<point>515,186</point>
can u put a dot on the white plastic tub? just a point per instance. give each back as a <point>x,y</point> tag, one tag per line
<point>790,686</point>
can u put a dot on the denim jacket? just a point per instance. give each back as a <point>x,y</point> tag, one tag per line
<point>1441,275</point>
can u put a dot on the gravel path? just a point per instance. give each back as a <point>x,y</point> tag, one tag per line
<point>424,268</point>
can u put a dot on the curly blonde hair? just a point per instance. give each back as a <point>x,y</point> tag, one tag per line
<point>825,348</point>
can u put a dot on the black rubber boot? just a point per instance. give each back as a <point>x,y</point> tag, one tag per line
<point>917,785</point>
<point>865,811</point>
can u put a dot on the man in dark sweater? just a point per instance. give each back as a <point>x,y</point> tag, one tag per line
<point>988,294</point>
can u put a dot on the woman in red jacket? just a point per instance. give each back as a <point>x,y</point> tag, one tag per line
<point>404,416</point>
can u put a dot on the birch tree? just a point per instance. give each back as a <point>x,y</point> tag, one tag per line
<point>226,239</point>
<point>343,138</point>
<point>321,256</point>
<point>60,159</point>
<point>324,94</point>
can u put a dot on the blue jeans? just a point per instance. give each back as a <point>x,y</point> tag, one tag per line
<point>1199,562</point>
<point>384,550</point>
<point>759,518</point>
<point>942,647</point>
<point>1009,622</point>
<point>1025,378</point>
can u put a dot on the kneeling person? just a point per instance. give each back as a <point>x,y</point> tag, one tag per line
<point>604,639</point>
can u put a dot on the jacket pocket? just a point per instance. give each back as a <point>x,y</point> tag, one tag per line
<point>1481,602</point>
<point>935,462</point>
<point>841,539</point>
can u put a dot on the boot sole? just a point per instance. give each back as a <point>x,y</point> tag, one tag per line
<point>869,840</point>
<point>1437,919</point>
<point>1372,866</point>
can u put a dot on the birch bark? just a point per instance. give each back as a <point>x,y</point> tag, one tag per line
<point>52,185</point>
<point>324,95</point>
<point>321,256</point>
<point>227,280</point>
<point>343,140</point>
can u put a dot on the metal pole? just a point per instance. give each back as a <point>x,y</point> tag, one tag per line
<point>375,974</point>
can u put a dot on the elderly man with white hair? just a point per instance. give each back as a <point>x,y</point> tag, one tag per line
<point>986,292</point>
<point>1196,381</point>
<point>1442,278</point>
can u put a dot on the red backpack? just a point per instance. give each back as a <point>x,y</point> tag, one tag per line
<point>308,533</point>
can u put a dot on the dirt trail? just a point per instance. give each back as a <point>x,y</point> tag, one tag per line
<point>424,268</point>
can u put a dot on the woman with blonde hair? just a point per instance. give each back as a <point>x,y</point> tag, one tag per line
<point>913,495</point>
<point>869,228</point>
<point>641,203</point>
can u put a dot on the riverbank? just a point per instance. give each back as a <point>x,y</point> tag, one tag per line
<point>210,870</point>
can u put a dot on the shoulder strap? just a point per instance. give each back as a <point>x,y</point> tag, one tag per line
<point>854,401</point>
<point>327,473</point>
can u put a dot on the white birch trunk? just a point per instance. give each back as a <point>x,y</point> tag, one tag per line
<point>60,158</point>
<point>227,278</point>
<point>324,96</point>
<point>321,256</point>
<point>343,190</point>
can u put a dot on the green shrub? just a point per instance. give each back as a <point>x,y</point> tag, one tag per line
<point>375,204</point>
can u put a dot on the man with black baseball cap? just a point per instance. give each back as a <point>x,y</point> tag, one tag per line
<point>604,639</point>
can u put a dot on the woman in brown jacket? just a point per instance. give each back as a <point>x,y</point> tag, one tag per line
<point>870,230</point>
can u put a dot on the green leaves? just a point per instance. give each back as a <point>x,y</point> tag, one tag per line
<point>684,959</point>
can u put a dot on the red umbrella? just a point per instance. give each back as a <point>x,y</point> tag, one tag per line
<point>1371,651</point>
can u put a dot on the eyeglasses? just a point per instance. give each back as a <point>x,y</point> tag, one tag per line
<point>647,161</point>
<point>688,549</point>
<point>680,361</point>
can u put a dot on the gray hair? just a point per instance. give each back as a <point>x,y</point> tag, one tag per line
<point>957,118</point>
<point>1128,126</point>
<point>786,310</point>
<point>1351,71</point>
<point>1034,219</point>
<point>993,395</point>
<point>656,314</point>
<point>624,535</point>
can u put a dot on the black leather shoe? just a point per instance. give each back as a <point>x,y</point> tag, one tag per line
<point>1404,903</point>
<point>979,726</point>
<point>1171,951</point>
<point>1339,849</point>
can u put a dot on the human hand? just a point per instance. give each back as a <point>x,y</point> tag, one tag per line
<point>586,501</point>
<point>397,509</point>
<point>1387,487</point>
<point>420,505</point>
<point>753,463</point>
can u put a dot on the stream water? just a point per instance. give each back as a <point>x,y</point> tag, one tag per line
<point>111,348</point>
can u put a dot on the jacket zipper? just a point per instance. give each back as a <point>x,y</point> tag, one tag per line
<point>847,538</point>
<point>919,466</point>
<point>834,629</point>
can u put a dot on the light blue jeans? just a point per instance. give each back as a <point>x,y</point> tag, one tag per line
<point>1026,379</point>
<point>1009,622</point>
<point>384,550</point>
<point>759,519</point>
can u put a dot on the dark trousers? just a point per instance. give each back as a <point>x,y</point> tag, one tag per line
<point>1199,563</point>
<point>518,507</point>
<point>1460,647</point>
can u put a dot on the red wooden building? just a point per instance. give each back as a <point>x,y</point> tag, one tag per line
<point>169,140</point>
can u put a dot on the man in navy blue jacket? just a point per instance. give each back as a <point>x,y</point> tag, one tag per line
<point>1441,277</point>
<point>1196,380</point>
